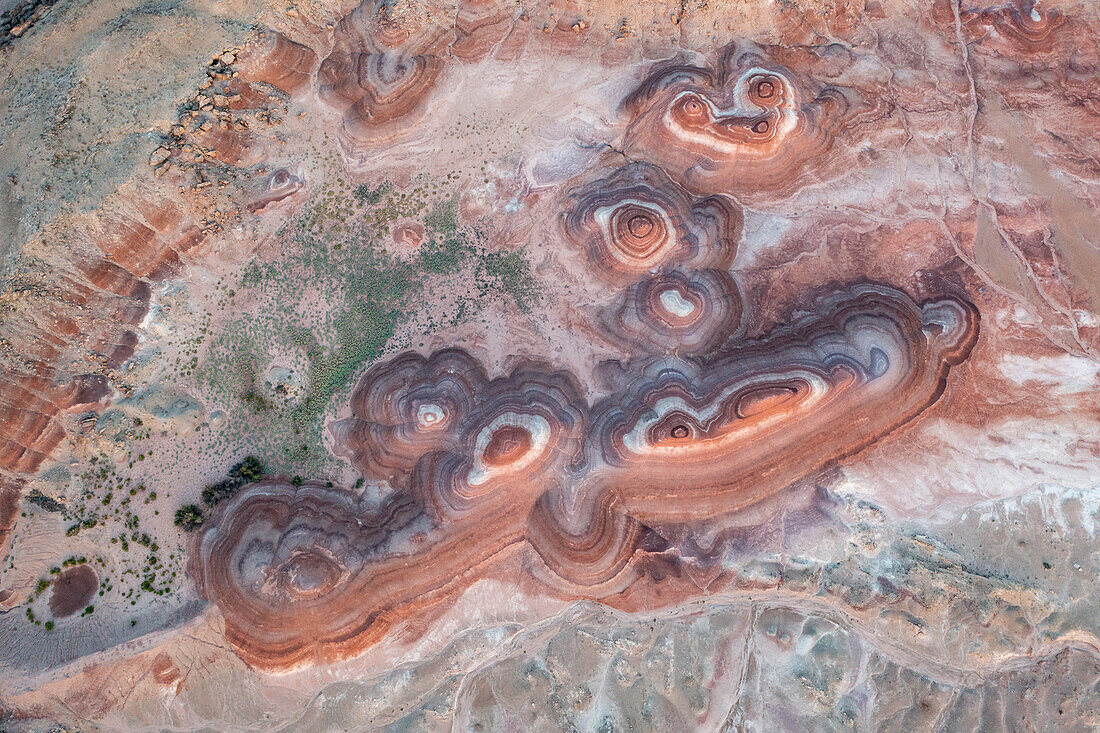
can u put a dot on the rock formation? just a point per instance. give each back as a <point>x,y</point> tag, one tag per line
<point>481,465</point>
<point>547,366</point>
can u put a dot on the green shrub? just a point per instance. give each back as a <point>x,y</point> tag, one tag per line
<point>364,194</point>
<point>189,517</point>
<point>250,469</point>
<point>214,493</point>
<point>39,499</point>
<point>247,471</point>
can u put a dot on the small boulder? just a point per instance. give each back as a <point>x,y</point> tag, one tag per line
<point>158,156</point>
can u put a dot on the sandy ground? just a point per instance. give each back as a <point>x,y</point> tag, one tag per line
<point>941,572</point>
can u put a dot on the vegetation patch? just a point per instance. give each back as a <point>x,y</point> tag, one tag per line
<point>332,300</point>
<point>36,497</point>
<point>249,470</point>
<point>511,272</point>
<point>188,518</point>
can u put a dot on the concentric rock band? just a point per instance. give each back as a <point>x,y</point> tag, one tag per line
<point>474,468</point>
<point>480,466</point>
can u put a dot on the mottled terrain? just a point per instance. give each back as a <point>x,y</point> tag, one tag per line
<point>488,365</point>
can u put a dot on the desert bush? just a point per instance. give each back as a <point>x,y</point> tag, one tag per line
<point>189,517</point>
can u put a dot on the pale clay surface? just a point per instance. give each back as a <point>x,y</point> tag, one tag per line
<point>221,221</point>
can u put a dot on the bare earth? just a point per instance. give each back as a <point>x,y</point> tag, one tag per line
<point>500,366</point>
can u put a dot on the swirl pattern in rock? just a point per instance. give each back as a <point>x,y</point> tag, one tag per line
<point>1024,25</point>
<point>276,60</point>
<point>407,408</point>
<point>745,125</point>
<point>379,74</point>
<point>723,434</point>
<point>677,311</point>
<point>291,563</point>
<point>335,573</point>
<point>482,468</point>
<point>480,25</point>
<point>636,220</point>
<point>519,442</point>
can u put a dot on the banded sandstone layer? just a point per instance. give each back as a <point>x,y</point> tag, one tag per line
<point>657,367</point>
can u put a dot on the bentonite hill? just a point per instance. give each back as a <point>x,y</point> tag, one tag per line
<point>517,365</point>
